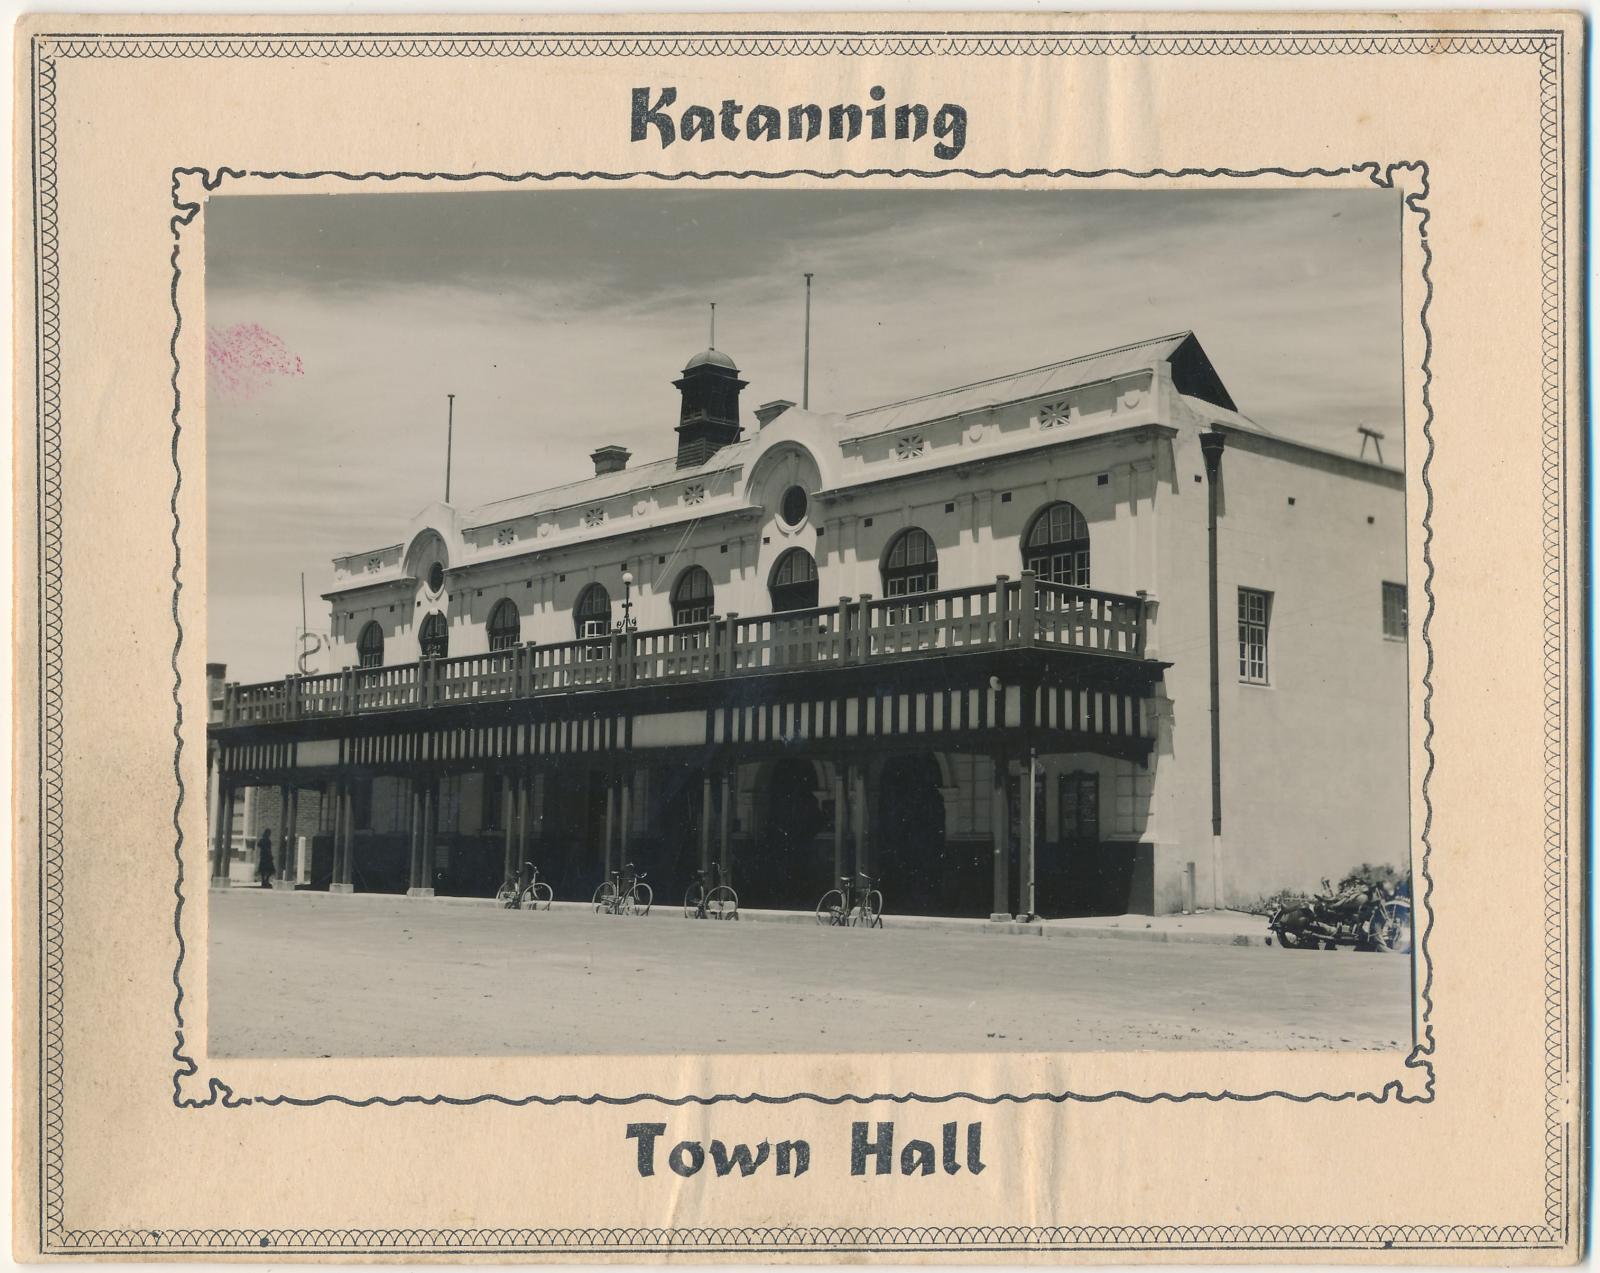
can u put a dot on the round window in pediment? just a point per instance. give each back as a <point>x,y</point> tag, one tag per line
<point>436,576</point>
<point>794,505</point>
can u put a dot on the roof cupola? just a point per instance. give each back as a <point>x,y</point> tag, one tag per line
<point>709,419</point>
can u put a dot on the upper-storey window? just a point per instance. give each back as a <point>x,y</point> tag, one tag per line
<point>1255,619</point>
<point>505,625</point>
<point>793,585</point>
<point>691,597</point>
<point>592,615</point>
<point>911,564</point>
<point>1394,611</point>
<point>433,640</point>
<point>1056,547</point>
<point>369,645</point>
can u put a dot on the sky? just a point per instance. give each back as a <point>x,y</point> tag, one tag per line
<point>337,325</point>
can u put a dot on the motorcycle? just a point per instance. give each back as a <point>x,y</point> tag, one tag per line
<point>1369,918</point>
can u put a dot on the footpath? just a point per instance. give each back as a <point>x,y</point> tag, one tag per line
<point>1216,928</point>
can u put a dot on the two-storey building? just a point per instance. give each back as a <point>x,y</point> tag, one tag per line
<point>1081,638</point>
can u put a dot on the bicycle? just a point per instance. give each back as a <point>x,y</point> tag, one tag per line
<point>720,902</point>
<point>527,892</point>
<point>625,893</point>
<point>854,904</point>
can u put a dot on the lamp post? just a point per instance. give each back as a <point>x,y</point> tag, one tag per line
<point>627,623</point>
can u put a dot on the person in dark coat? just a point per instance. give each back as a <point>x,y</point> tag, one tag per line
<point>265,866</point>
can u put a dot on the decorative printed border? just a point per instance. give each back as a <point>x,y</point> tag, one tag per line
<point>217,1091</point>
<point>1553,1233</point>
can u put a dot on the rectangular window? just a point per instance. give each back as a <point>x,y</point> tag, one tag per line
<point>1079,806</point>
<point>1394,611</point>
<point>1255,614</point>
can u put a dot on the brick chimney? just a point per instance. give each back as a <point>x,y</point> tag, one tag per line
<point>767,412</point>
<point>610,459</point>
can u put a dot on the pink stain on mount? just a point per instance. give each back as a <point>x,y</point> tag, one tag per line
<point>243,359</point>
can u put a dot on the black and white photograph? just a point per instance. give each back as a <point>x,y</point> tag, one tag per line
<point>656,620</point>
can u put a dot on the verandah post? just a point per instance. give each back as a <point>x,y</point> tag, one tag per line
<point>858,812</point>
<point>415,873</point>
<point>222,857</point>
<point>725,831</point>
<point>522,800</point>
<point>1028,603</point>
<point>840,813</point>
<point>508,818</point>
<point>1002,619</point>
<point>1000,826</point>
<point>705,826</point>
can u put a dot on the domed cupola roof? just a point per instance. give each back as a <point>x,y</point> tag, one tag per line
<point>711,358</point>
<point>709,417</point>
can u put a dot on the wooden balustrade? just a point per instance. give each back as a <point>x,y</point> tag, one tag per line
<point>1004,614</point>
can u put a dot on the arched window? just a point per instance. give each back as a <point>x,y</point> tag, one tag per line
<point>1056,547</point>
<point>369,645</point>
<point>691,597</point>
<point>793,585</point>
<point>592,615</point>
<point>505,625</point>
<point>911,565</point>
<point>434,638</point>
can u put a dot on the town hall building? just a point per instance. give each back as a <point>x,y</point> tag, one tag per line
<point>1079,639</point>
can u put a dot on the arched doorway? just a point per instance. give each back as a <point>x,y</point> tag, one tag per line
<point>433,640</point>
<point>505,625</point>
<point>369,646</point>
<point>918,869</point>
<point>780,868</point>
<point>1056,547</point>
<point>793,584</point>
<point>692,597</point>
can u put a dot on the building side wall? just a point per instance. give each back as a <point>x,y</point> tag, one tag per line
<point>1314,773</point>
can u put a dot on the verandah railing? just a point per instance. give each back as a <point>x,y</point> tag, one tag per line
<point>1007,613</point>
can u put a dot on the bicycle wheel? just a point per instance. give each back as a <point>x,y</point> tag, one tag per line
<point>540,896</point>
<point>692,900</point>
<point>1391,929</point>
<point>605,897</point>
<point>872,910</point>
<point>641,899</point>
<point>722,903</point>
<point>507,897</point>
<point>830,910</point>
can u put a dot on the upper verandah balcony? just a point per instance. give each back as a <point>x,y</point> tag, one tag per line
<point>1077,624</point>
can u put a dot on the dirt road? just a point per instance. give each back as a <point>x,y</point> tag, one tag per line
<point>306,974</point>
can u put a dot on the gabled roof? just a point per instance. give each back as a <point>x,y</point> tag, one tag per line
<point>1192,374</point>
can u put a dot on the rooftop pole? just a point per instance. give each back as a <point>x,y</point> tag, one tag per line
<point>805,380</point>
<point>449,444</point>
<point>713,343</point>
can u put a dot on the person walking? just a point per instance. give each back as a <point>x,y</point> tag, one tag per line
<point>264,863</point>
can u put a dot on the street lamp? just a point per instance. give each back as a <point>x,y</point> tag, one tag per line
<point>627,623</point>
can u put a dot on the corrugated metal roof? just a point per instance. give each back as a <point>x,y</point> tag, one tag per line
<point>605,486</point>
<point>1056,376</point>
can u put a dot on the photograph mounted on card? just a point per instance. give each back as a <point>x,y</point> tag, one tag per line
<point>812,638</point>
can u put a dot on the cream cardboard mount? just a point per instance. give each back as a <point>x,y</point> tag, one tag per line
<point>1096,477</point>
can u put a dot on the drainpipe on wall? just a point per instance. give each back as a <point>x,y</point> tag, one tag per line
<point>1211,444</point>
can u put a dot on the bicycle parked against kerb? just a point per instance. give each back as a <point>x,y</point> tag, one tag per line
<point>625,893</point>
<point>854,904</point>
<point>527,892</point>
<point>719,902</point>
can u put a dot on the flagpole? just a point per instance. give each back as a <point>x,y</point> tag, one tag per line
<point>449,445</point>
<point>805,380</point>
